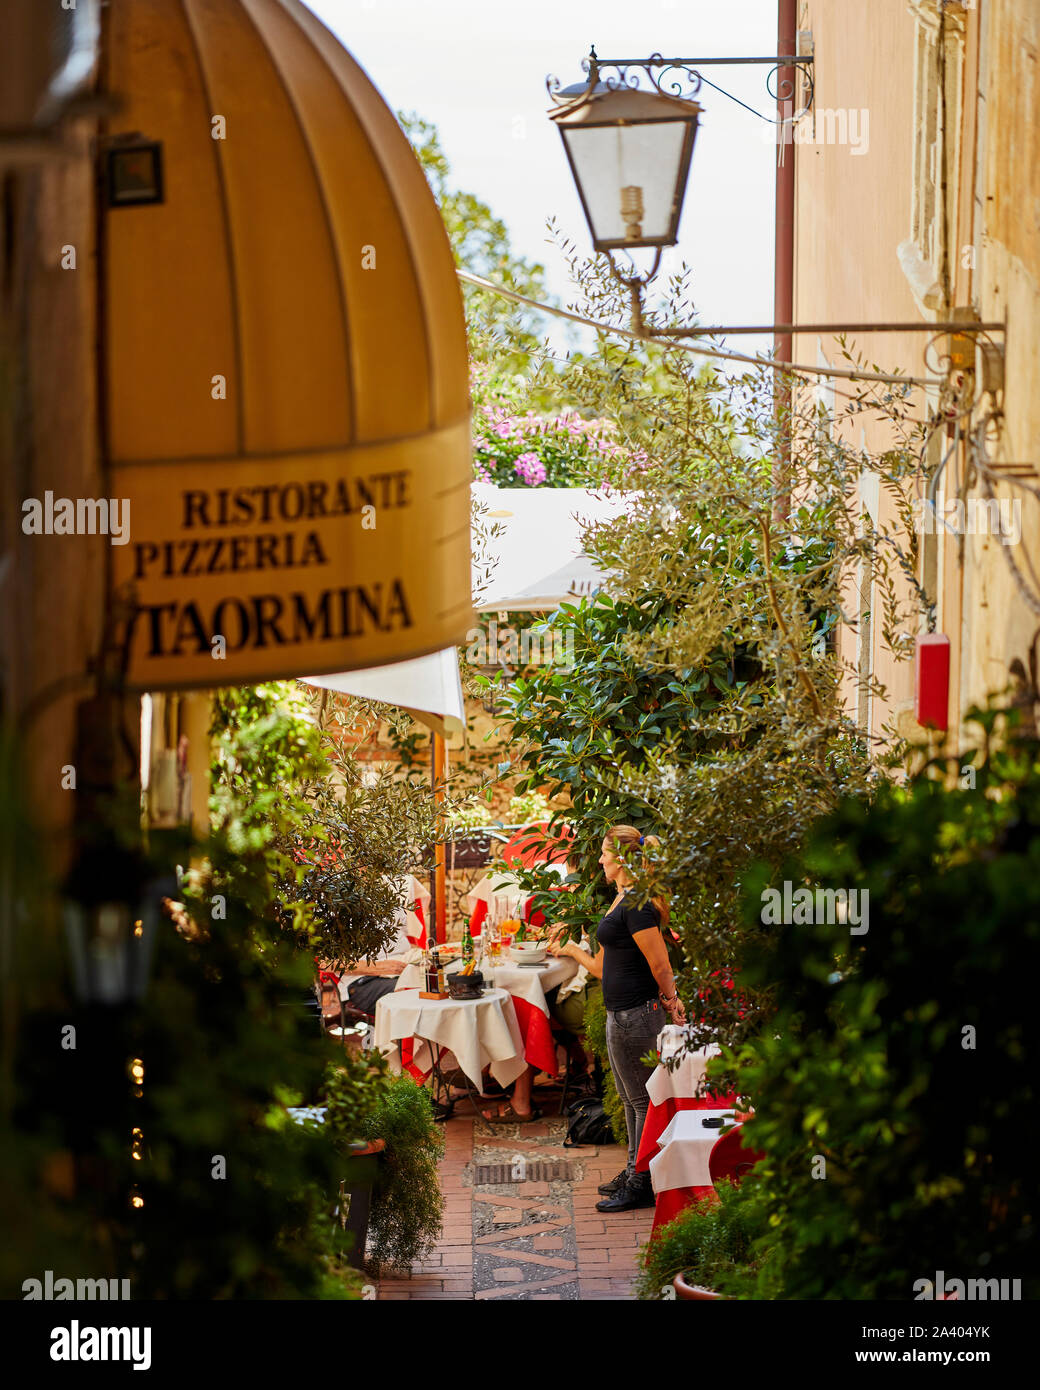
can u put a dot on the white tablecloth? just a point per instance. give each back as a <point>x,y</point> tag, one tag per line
<point>500,888</point>
<point>530,982</point>
<point>480,1032</point>
<point>533,982</point>
<point>683,1082</point>
<point>685,1147</point>
<point>416,892</point>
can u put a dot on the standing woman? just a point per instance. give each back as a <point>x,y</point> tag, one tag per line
<point>640,998</point>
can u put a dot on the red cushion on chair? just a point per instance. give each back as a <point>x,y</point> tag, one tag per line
<point>730,1159</point>
<point>478,917</point>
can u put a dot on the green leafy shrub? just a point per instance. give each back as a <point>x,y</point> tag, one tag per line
<point>226,1197</point>
<point>596,1040</point>
<point>894,1081</point>
<point>529,808</point>
<point>352,1091</point>
<point>713,1243</point>
<point>324,848</point>
<point>407,1202</point>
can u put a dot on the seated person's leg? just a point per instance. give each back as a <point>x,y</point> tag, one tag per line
<point>569,1013</point>
<point>366,992</point>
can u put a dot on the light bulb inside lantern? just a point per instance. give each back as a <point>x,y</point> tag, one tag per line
<point>632,211</point>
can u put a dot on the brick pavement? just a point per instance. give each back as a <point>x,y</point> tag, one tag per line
<point>525,1240</point>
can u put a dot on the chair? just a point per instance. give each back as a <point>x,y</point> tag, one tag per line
<point>569,1041</point>
<point>730,1159</point>
<point>328,996</point>
<point>339,1019</point>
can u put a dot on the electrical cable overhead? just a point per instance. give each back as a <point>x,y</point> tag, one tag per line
<point>794,368</point>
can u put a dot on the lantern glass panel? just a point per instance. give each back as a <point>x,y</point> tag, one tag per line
<point>633,169</point>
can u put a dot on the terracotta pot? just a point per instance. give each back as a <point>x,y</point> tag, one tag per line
<point>691,1291</point>
<point>364,1150</point>
<point>356,1190</point>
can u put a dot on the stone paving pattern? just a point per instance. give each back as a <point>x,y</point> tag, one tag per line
<point>521,1241</point>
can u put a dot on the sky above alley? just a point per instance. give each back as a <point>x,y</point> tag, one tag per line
<point>477,70</point>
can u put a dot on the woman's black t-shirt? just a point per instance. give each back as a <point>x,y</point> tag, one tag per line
<point>628,980</point>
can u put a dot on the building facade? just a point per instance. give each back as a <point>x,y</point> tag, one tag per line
<point>917,200</point>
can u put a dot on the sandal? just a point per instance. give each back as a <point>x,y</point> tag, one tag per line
<point>458,1093</point>
<point>510,1117</point>
<point>461,1081</point>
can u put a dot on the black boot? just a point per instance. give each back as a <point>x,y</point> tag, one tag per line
<point>614,1185</point>
<point>634,1192</point>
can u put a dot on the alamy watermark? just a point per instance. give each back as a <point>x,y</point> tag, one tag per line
<point>531,646</point>
<point>60,1288</point>
<point>802,906</point>
<point>843,125</point>
<point>78,1342</point>
<point>80,516</point>
<point>978,516</point>
<point>972,1290</point>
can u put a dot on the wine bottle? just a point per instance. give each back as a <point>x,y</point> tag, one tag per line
<point>432,986</point>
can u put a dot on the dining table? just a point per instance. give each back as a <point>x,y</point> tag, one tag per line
<point>680,1173</point>
<point>480,1033</point>
<point>675,1085</point>
<point>527,986</point>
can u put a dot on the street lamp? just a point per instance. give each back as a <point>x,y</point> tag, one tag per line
<point>629,151</point>
<point>629,147</point>
<point>629,138</point>
<point>109,907</point>
<point>111,949</point>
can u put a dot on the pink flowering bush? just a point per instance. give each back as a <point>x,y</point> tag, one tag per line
<point>530,469</point>
<point>517,446</point>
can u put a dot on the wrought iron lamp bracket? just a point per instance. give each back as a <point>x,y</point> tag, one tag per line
<point>635,284</point>
<point>682,78</point>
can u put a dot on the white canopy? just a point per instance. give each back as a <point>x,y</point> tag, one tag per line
<point>540,560</point>
<point>428,687</point>
<point>538,563</point>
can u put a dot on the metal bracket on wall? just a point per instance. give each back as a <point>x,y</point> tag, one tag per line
<point>682,77</point>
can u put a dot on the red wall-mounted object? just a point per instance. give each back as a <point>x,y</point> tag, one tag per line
<point>932,686</point>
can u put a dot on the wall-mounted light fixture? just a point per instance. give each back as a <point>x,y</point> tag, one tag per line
<point>133,172</point>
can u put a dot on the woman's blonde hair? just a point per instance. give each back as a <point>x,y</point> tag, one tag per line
<point>628,838</point>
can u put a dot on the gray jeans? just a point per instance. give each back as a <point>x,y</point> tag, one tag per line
<point>631,1033</point>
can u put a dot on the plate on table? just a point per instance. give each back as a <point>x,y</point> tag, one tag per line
<point>535,956</point>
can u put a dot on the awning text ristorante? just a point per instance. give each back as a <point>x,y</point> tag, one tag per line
<point>245,569</point>
<point>294,501</point>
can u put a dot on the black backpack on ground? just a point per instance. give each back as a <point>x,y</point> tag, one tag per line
<point>587,1123</point>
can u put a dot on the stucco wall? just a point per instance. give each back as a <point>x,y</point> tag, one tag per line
<point>852,212</point>
<point>999,624</point>
<point>51,585</point>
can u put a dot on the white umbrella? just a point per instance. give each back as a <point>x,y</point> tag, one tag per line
<point>428,687</point>
<point>538,556</point>
<point>576,579</point>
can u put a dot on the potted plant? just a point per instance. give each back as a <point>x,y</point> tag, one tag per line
<point>407,1202</point>
<point>352,1092</point>
<point>713,1249</point>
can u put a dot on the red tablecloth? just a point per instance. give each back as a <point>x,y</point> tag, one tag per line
<point>670,1092</point>
<point>681,1172</point>
<point>668,1205</point>
<point>539,1047</point>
